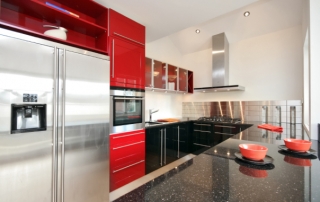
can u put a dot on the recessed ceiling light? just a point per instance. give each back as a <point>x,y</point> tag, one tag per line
<point>197,31</point>
<point>246,14</point>
<point>204,91</point>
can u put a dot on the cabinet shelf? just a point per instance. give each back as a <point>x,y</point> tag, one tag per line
<point>88,31</point>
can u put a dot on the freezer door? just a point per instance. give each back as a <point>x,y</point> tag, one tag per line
<point>26,159</point>
<point>85,136</point>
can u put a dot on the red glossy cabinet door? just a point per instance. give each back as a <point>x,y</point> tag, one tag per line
<point>127,157</point>
<point>121,26</point>
<point>127,64</point>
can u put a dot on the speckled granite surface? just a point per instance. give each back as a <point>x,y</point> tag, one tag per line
<point>216,175</point>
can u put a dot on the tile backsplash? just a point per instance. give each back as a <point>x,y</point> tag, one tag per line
<point>282,111</point>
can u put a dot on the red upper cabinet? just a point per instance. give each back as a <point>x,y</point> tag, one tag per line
<point>121,26</point>
<point>87,26</point>
<point>127,64</point>
<point>127,51</point>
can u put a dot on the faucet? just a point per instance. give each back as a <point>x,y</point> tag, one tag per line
<point>152,112</point>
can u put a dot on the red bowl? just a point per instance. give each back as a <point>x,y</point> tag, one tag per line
<point>253,172</point>
<point>297,145</point>
<point>297,161</point>
<point>253,151</point>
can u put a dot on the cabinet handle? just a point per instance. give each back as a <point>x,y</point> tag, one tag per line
<point>127,135</point>
<point>202,131</point>
<point>128,98</point>
<point>161,145</point>
<point>201,124</point>
<point>165,147</point>
<point>128,38</point>
<point>128,166</point>
<point>220,126</point>
<point>201,145</point>
<point>128,145</point>
<point>112,58</point>
<point>178,140</point>
<point>223,133</point>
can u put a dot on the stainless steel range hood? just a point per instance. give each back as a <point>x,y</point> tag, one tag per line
<point>220,67</point>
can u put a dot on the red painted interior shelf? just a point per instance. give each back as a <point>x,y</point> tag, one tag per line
<point>89,31</point>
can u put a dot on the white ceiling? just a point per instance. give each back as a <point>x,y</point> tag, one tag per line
<point>178,19</point>
<point>266,16</point>
<point>165,17</point>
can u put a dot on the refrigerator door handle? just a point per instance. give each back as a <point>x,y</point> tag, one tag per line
<point>55,125</point>
<point>63,93</point>
<point>161,145</point>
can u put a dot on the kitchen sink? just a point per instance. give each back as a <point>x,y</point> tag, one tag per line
<point>150,123</point>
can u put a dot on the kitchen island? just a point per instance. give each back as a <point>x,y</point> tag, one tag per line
<point>216,175</point>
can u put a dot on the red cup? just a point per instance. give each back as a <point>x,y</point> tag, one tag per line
<point>253,151</point>
<point>297,145</point>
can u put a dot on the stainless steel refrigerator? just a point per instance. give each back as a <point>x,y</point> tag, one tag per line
<point>54,121</point>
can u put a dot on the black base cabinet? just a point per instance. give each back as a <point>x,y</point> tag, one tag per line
<point>165,144</point>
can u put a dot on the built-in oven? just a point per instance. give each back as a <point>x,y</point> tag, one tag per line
<point>126,109</point>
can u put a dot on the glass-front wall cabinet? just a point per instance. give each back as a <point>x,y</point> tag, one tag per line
<point>148,71</point>
<point>159,74</point>
<point>183,80</point>
<point>165,77</point>
<point>172,77</point>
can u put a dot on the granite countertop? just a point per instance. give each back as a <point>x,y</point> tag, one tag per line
<point>216,175</point>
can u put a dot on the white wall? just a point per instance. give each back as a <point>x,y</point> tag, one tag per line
<point>268,66</point>
<point>169,105</point>
<point>314,34</point>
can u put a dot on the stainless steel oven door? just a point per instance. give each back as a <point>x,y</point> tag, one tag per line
<point>127,113</point>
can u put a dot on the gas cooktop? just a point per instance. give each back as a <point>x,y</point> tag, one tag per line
<point>220,119</point>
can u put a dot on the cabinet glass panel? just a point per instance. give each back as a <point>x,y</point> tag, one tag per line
<point>172,77</point>
<point>159,74</point>
<point>148,73</point>
<point>183,77</point>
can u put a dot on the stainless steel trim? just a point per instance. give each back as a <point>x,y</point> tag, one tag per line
<point>202,131</point>
<point>112,58</point>
<point>128,93</point>
<point>128,145</point>
<point>125,128</point>
<point>37,40</point>
<point>128,38</point>
<point>126,98</point>
<point>178,140</point>
<point>127,135</point>
<point>221,126</point>
<point>201,145</point>
<point>54,127</point>
<point>198,124</point>
<point>165,147</point>
<point>161,146</point>
<point>128,166</point>
<point>223,133</point>
<point>63,122</point>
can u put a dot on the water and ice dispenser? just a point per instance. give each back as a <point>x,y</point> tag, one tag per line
<point>28,118</point>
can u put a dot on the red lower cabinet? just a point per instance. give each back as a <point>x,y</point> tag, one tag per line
<point>127,157</point>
